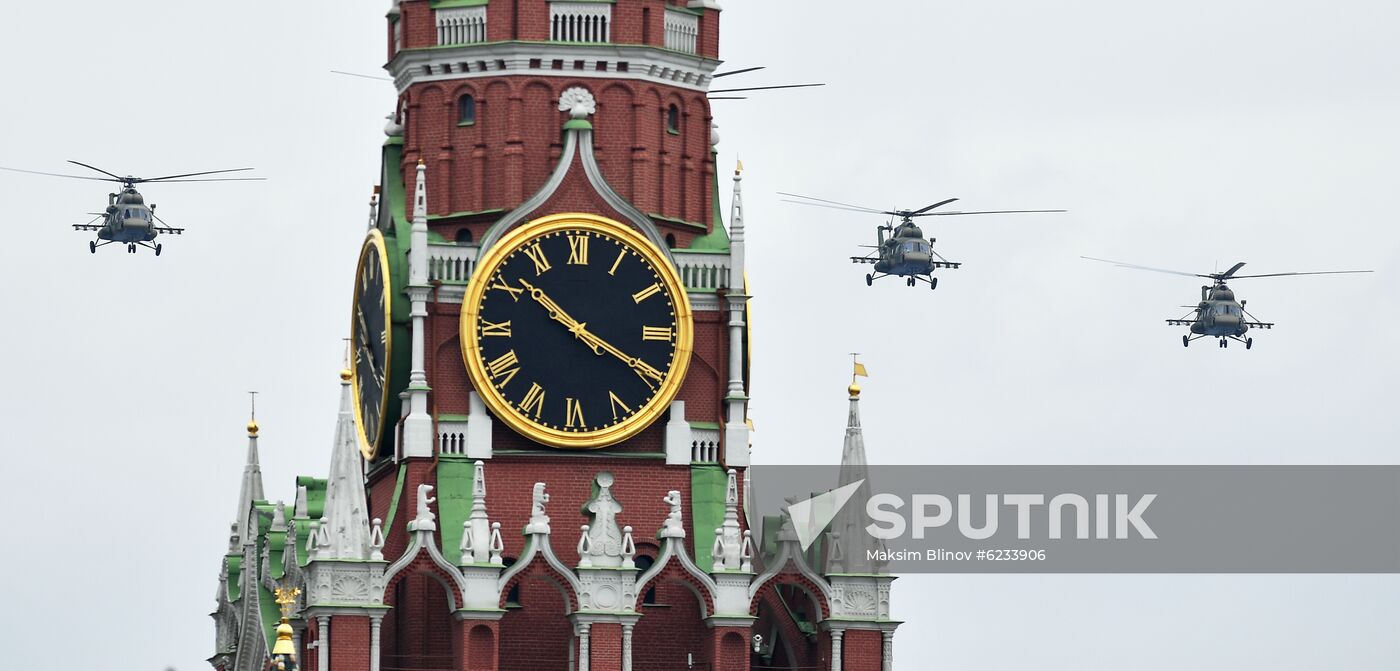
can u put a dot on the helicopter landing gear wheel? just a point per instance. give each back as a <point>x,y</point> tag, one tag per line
<point>1224,344</point>
<point>1186,341</point>
<point>1248,343</point>
<point>909,282</point>
<point>869,281</point>
<point>157,249</point>
<point>932,283</point>
<point>92,246</point>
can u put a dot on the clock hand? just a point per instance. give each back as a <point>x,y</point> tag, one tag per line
<point>598,345</point>
<point>373,363</point>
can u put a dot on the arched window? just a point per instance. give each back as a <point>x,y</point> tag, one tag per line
<point>466,110</point>
<point>670,241</point>
<point>464,236</point>
<point>673,119</point>
<point>644,562</point>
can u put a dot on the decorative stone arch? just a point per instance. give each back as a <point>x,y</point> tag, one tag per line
<point>814,591</point>
<point>539,560</point>
<point>789,568</point>
<point>422,565</point>
<point>539,568</point>
<point>674,573</point>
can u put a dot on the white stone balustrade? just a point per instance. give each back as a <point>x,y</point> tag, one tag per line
<point>461,25</point>
<point>682,30</point>
<point>571,21</point>
<point>702,272</point>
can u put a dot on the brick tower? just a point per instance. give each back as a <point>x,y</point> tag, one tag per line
<point>540,460</point>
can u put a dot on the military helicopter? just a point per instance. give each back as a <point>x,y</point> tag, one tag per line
<point>128,219</point>
<point>904,252</point>
<point>1219,314</point>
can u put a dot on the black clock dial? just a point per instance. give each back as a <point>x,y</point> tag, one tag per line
<point>369,343</point>
<point>577,330</point>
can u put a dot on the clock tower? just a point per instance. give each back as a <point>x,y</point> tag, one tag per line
<point>547,397</point>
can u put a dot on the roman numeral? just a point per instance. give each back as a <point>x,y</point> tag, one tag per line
<point>494,329</point>
<point>534,400</point>
<point>514,292</point>
<point>614,402</point>
<point>505,366</point>
<point>537,255</point>
<point>578,250</point>
<point>613,270</point>
<point>573,414</point>
<point>646,293</point>
<point>662,333</point>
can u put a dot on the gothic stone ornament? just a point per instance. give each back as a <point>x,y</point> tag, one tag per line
<point>425,520</point>
<point>576,331</point>
<point>604,536</point>
<point>578,102</point>
<point>606,590</point>
<point>673,527</point>
<point>539,522</point>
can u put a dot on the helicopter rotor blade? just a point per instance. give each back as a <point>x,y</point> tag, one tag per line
<point>58,174</point>
<point>356,74</point>
<point>832,207</point>
<point>871,210</point>
<point>737,72</point>
<point>1325,272</point>
<point>948,214</point>
<point>728,98</point>
<point>92,167</point>
<point>766,88</point>
<point>215,179</point>
<point>1121,264</point>
<point>188,174</point>
<point>1231,272</point>
<point>940,203</point>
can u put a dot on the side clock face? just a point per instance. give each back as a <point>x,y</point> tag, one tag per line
<point>576,331</point>
<point>369,342</point>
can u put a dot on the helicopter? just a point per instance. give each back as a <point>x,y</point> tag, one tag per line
<point>127,218</point>
<point>901,249</point>
<point>1218,314</point>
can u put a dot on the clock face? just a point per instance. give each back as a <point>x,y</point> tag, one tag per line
<point>576,331</point>
<point>369,342</point>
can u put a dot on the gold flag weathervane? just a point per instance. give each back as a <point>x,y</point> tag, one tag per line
<point>858,370</point>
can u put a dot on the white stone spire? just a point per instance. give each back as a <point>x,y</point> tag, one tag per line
<point>848,525</point>
<point>730,541</point>
<point>736,428</point>
<point>346,512</point>
<point>418,425</point>
<point>251,489</point>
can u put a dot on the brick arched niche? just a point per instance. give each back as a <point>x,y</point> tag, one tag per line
<point>672,625</point>
<point>418,631</point>
<point>481,648</point>
<point>535,631</point>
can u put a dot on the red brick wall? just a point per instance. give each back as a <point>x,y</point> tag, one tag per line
<point>537,635</point>
<point>862,650</point>
<point>605,647</point>
<point>668,630</point>
<point>509,152</point>
<point>349,643</point>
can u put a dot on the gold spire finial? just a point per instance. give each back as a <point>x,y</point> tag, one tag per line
<point>857,371</point>
<point>345,373</point>
<point>252,414</point>
<point>738,167</point>
<point>285,598</point>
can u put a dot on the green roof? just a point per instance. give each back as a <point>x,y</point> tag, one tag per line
<point>707,485</point>
<point>443,4</point>
<point>454,499</point>
<point>718,238</point>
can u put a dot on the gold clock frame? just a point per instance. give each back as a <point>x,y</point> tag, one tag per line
<point>375,239</point>
<point>486,267</point>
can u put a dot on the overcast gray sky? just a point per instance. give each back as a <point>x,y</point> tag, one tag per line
<point>1181,135</point>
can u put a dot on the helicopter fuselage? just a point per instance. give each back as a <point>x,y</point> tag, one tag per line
<point>1219,318</point>
<point>128,223</point>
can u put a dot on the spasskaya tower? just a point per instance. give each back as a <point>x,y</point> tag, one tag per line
<point>541,456</point>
